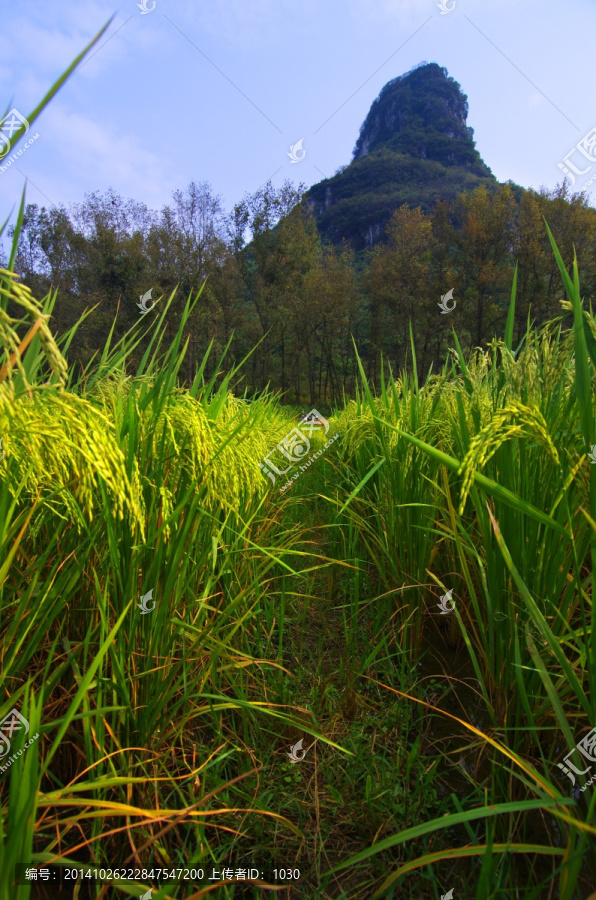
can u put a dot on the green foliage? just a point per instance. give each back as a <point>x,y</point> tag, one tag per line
<point>163,733</point>
<point>357,204</point>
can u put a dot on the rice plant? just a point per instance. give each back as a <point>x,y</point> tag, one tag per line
<point>510,507</point>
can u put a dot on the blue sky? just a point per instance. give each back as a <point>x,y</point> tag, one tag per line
<point>218,90</point>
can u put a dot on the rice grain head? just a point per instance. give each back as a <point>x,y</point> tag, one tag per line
<point>513,420</point>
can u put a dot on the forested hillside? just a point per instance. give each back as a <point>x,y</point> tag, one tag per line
<point>436,220</point>
<point>414,147</point>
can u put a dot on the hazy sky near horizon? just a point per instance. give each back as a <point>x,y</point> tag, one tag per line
<point>218,91</point>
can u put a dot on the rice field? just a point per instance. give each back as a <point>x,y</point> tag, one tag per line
<point>376,683</point>
<point>416,609</point>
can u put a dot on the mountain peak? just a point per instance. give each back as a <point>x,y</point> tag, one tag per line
<point>422,114</point>
<point>414,147</point>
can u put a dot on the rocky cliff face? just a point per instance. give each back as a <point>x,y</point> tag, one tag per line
<point>412,111</point>
<point>414,147</point>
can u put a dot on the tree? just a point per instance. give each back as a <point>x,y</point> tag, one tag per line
<point>284,245</point>
<point>398,284</point>
<point>484,241</point>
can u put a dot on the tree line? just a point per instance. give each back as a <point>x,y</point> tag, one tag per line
<point>293,305</point>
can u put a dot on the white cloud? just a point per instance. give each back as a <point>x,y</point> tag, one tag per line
<point>104,157</point>
<point>57,39</point>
